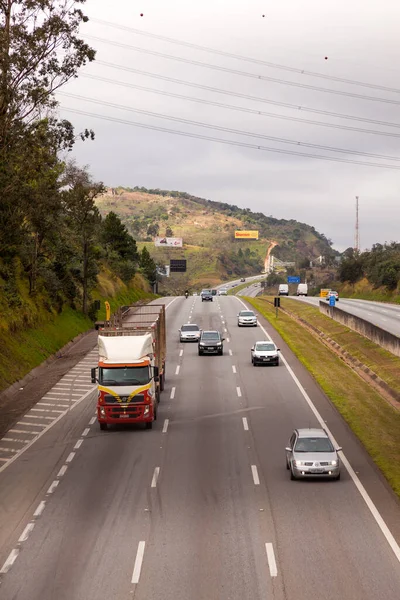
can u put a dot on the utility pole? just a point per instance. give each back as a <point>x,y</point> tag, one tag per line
<point>357,232</point>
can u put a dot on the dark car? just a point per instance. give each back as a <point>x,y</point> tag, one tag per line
<point>206,295</point>
<point>211,342</point>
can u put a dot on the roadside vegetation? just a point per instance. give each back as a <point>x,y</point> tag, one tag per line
<point>375,422</point>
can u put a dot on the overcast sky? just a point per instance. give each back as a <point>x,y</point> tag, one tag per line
<point>361,41</point>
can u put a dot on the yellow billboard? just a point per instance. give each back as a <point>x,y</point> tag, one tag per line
<point>246,235</point>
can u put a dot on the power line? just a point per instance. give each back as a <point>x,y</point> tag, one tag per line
<point>241,108</point>
<point>229,129</point>
<point>244,73</point>
<point>296,107</point>
<point>249,59</point>
<point>231,142</point>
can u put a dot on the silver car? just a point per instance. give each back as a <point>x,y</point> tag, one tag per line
<point>310,454</point>
<point>190,332</point>
<point>247,318</point>
<point>265,353</point>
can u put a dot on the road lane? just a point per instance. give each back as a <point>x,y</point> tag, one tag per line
<point>382,314</point>
<point>346,554</point>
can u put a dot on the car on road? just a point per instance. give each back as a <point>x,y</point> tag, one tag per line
<point>243,280</point>
<point>223,292</point>
<point>206,296</point>
<point>247,318</point>
<point>265,353</point>
<point>311,454</point>
<point>330,294</point>
<point>190,332</point>
<point>211,342</point>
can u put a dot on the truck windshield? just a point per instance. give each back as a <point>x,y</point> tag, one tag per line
<point>124,375</point>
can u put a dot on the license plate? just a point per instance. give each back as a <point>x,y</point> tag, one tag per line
<point>210,348</point>
<point>124,416</point>
<point>316,470</point>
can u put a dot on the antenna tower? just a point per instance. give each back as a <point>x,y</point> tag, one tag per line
<point>357,232</point>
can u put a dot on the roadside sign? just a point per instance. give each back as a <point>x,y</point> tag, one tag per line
<point>177,266</point>
<point>292,279</point>
<point>277,301</point>
<point>332,300</point>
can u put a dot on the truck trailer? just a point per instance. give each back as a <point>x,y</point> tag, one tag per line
<point>131,370</point>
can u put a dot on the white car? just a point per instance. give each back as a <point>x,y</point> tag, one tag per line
<point>265,353</point>
<point>222,292</point>
<point>247,318</point>
<point>330,294</point>
<point>190,332</point>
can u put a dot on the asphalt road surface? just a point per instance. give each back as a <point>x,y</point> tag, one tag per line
<point>382,314</point>
<point>201,507</point>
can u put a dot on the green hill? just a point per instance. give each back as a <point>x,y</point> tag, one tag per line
<point>207,229</point>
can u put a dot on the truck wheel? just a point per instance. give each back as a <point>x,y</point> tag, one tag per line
<point>103,426</point>
<point>149,425</point>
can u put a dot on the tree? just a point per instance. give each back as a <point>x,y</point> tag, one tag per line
<point>169,232</point>
<point>115,235</point>
<point>153,229</point>
<point>147,265</point>
<point>85,219</point>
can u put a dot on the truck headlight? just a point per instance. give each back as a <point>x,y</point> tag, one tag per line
<point>102,411</point>
<point>146,411</point>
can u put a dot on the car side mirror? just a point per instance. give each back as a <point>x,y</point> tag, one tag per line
<point>222,339</point>
<point>278,349</point>
<point>339,449</point>
<point>252,347</point>
<point>288,449</point>
<point>93,374</point>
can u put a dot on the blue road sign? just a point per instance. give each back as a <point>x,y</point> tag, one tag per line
<point>293,279</point>
<point>332,300</point>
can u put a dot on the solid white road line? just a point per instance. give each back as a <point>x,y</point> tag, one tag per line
<point>87,430</point>
<point>53,486</point>
<point>25,534</point>
<point>78,444</point>
<point>234,368</point>
<point>62,471</point>
<point>92,420</point>
<point>181,353</point>
<point>172,396</point>
<point>70,457</point>
<point>230,352</point>
<point>165,428</point>
<point>271,560</point>
<point>256,478</point>
<point>39,509</point>
<point>245,424</point>
<point>155,477</point>
<point>10,561</point>
<point>239,392</point>
<point>177,370</point>
<point>363,492</point>
<point>138,562</point>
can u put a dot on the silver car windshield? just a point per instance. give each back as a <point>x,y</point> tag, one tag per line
<point>189,328</point>
<point>246,313</point>
<point>265,347</point>
<point>319,444</point>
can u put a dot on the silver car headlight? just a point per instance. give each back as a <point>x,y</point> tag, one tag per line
<point>299,463</point>
<point>333,463</point>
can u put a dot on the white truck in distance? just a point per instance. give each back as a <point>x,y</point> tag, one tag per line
<point>283,289</point>
<point>302,289</point>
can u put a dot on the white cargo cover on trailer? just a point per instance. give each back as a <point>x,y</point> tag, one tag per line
<point>124,349</point>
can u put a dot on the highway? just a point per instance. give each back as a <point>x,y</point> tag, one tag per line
<point>382,314</point>
<point>202,506</point>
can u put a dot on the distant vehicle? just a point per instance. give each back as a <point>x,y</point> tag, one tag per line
<point>311,453</point>
<point>330,294</point>
<point>223,292</point>
<point>206,296</point>
<point>214,292</point>
<point>190,332</point>
<point>302,289</point>
<point>283,289</point>
<point>264,353</point>
<point>243,279</point>
<point>211,342</point>
<point>247,318</point>
<point>194,293</point>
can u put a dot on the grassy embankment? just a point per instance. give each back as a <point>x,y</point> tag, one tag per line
<point>30,335</point>
<point>375,422</point>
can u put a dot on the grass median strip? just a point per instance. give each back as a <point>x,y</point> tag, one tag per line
<point>375,422</point>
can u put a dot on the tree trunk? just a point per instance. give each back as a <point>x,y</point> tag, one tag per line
<point>85,277</point>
